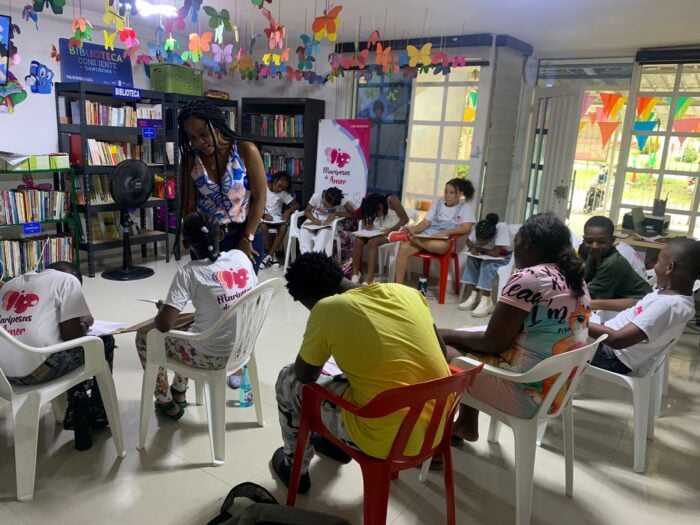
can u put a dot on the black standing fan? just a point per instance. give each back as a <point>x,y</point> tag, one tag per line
<point>131,185</point>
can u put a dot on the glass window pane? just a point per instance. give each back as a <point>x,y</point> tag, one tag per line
<point>451,171</point>
<point>679,191</point>
<point>390,139</point>
<point>650,155</point>
<point>653,109</point>
<point>430,77</point>
<point>640,188</point>
<point>690,77</point>
<point>387,177</point>
<point>428,103</point>
<point>424,141</point>
<point>679,223</point>
<point>420,178</point>
<point>683,154</point>
<point>658,77</point>
<point>461,104</point>
<point>457,143</point>
<point>465,74</point>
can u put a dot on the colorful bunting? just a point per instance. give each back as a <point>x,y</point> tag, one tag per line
<point>469,114</point>
<point>609,102</point>
<point>645,105</point>
<point>596,116</point>
<point>606,131</point>
<point>682,105</point>
<point>581,125</point>
<point>617,107</point>
<point>588,99</point>
<point>473,95</point>
<point>643,126</point>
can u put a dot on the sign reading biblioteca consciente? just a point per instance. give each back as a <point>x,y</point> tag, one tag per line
<point>93,63</point>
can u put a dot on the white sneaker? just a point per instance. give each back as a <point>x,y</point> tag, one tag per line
<point>275,263</point>
<point>484,308</point>
<point>266,262</point>
<point>470,303</point>
<point>355,278</point>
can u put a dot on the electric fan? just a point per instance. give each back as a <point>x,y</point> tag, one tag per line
<point>131,185</point>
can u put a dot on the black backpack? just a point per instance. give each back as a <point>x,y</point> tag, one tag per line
<point>267,511</point>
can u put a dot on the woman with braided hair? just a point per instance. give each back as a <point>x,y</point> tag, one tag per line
<point>213,281</point>
<point>223,177</point>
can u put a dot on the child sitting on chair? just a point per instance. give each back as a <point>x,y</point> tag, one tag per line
<point>639,333</point>
<point>322,209</point>
<point>213,281</point>
<point>451,216</point>
<point>490,238</point>
<point>278,196</point>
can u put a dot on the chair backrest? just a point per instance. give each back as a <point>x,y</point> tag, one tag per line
<point>658,360</point>
<point>504,274</point>
<point>513,229</point>
<point>294,223</point>
<point>565,368</point>
<point>445,393</point>
<point>412,216</point>
<point>634,258</point>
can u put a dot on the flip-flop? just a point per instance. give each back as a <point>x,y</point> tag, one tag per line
<point>163,409</point>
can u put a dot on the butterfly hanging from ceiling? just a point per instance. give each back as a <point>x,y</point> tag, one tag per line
<point>28,14</point>
<point>326,25</point>
<point>260,3</point>
<point>112,16</point>
<point>276,32</point>
<point>199,44</point>
<point>55,5</point>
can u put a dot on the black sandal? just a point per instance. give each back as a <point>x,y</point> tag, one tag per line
<point>173,392</point>
<point>164,409</point>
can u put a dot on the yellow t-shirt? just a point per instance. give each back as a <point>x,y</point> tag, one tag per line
<point>382,337</point>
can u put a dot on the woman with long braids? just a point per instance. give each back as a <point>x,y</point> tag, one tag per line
<point>542,311</point>
<point>223,177</point>
<point>213,281</point>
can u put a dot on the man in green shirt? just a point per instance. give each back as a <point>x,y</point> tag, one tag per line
<point>612,282</point>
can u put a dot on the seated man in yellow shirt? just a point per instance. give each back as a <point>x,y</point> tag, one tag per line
<point>382,336</point>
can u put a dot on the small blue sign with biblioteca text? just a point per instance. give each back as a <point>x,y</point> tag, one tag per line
<point>94,63</point>
<point>31,228</point>
<point>149,133</point>
<point>126,93</point>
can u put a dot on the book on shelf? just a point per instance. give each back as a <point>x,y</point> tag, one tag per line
<point>277,126</point>
<point>275,163</point>
<point>109,222</point>
<point>23,255</point>
<point>19,206</point>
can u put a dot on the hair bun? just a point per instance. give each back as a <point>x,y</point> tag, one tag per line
<point>492,218</point>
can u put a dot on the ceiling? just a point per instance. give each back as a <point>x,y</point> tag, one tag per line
<point>562,27</point>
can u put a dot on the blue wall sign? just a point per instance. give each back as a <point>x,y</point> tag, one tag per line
<point>31,228</point>
<point>149,133</point>
<point>93,63</point>
<point>126,93</point>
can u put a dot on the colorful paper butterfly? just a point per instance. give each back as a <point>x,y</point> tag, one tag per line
<point>112,17</point>
<point>55,54</point>
<point>260,3</point>
<point>109,39</point>
<point>421,57</point>
<point>276,32</point>
<point>222,55</point>
<point>28,14</point>
<point>327,24</point>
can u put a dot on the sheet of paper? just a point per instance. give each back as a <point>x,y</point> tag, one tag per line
<point>481,328</point>
<point>105,327</point>
<point>309,226</point>
<point>621,235</point>
<point>13,158</point>
<point>484,257</point>
<point>438,237</point>
<point>331,368</point>
<point>367,233</point>
<point>274,222</point>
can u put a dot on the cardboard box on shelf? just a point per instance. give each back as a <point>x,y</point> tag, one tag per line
<point>39,162</point>
<point>58,161</point>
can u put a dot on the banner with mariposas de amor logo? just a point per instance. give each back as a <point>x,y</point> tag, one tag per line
<point>342,158</point>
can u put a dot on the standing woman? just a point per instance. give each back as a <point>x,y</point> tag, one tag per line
<point>223,177</point>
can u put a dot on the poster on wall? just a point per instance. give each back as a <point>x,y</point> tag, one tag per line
<point>343,156</point>
<point>4,48</point>
<point>93,63</point>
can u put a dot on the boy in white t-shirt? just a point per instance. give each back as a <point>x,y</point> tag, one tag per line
<point>323,207</point>
<point>278,196</point>
<point>638,334</point>
<point>213,282</point>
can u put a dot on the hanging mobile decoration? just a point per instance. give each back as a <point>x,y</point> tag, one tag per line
<point>326,25</point>
<point>109,39</point>
<point>276,32</point>
<point>260,3</point>
<point>82,28</point>
<point>199,44</point>
<point>171,44</point>
<point>28,14</point>
<point>112,16</point>
<point>56,6</point>
<point>160,31</point>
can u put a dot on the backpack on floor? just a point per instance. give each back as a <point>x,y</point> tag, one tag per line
<point>265,510</point>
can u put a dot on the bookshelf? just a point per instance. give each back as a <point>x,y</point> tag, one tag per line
<point>174,102</point>
<point>37,225</point>
<point>98,131</point>
<point>286,131</point>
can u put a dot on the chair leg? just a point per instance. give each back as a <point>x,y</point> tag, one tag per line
<point>665,371</point>
<point>541,429</point>
<point>494,430</point>
<point>109,398</point>
<point>525,436</point>
<point>424,470</point>
<point>59,405</point>
<point>449,477</point>
<point>148,385</point>
<point>457,275</point>
<point>199,392</point>
<point>215,395</point>
<point>640,400</point>
<point>303,435</point>
<point>25,414</point>
<point>654,403</point>
<point>255,383</point>
<point>377,483</point>
<point>568,417</point>
<point>444,273</point>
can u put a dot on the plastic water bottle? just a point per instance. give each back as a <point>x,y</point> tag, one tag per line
<point>246,399</point>
<point>423,284</point>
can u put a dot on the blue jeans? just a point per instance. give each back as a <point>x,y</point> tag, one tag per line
<point>481,272</point>
<point>606,359</point>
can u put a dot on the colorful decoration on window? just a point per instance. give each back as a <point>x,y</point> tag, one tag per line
<point>606,131</point>
<point>643,126</point>
<point>417,56</point>
<point>28,14</point>
<point>682,105</point>
<point>326,25</point>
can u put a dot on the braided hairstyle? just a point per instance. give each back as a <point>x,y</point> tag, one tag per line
<point>486,228</point>
<point>371,205</point>
<point>463,186</point>
<point>550,236</point>
<point>333,196</point>
<point>202,232</point>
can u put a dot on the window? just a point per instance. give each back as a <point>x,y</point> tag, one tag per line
<point>385,101</point>
<point>664,149</point>
<point>441,132</point>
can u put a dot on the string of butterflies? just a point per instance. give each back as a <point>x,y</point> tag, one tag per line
<point>218,58</point>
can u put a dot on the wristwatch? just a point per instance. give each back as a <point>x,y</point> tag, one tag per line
<point>250,237</point>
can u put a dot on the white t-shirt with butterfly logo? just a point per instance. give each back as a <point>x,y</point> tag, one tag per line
<point>212,287</point>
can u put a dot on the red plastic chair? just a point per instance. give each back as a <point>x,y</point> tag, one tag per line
<point>444,260</point>
<point>378,473</point>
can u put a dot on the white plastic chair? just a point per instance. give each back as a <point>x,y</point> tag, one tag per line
<point>246,317</point>
<point>387,251</point>
<point>525,431</point>
<point>293,234</point>
<point>633,257</point>
<point>26,403</point>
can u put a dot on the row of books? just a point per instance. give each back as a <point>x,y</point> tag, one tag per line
<point>111,153</point>
<point>99,190</point>
<point>105,226</point>
<point>21,206</point>
<point>274,163</point>
<point>125,116</point>
<point>24,255</point>
<point>279,126</point>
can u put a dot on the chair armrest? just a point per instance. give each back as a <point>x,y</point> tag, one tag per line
<point>325,394</point>
<point>467,363</point>
<point>85,341</point>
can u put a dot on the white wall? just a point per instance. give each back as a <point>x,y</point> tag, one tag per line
<point>32,127</point>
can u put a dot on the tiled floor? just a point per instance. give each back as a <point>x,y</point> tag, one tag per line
<point>172,482</point>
